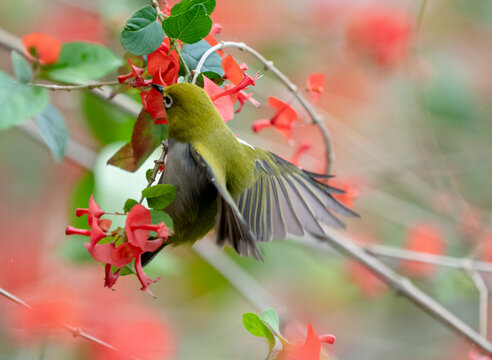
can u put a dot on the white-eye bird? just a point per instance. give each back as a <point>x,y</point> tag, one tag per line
<point>248,194</point>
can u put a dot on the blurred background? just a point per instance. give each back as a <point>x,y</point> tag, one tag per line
<point>407,103</point>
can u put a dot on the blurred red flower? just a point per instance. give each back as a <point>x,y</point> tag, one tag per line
<point>351,187</point>
<point>426,238</point>
<point>283,120</point>
<point>382,34</point>
<point>42,47</point>
<point>305,146</point>
<point>310,349</point>
<point>315,86</point>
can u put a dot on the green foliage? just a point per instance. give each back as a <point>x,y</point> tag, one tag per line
<point>107,123</point>
<point>159,196</point>
<point>19,101</point>
<point>159,216</point>
<point>190,23</point>
<point>129,204</point>
<point>53,131</point>
<point>270,317</point>
<point>142,33</point>
<point>81,62</point>
<point>191,54</point>
<point>22,69</point>
<point>186,5</point>
<point>146,136</point>
<point>148,174</point>
<point>257,327</point>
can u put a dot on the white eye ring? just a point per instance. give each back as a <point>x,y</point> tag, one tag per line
<point>168,101</point>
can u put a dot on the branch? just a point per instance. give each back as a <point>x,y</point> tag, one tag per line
<point>316,118</point>
<point>75,331</point>
<point>402,254</point>
<point>158,164</point>
<point>55,87</point>
<point>155,5</point>
<point>483,296</point>
<point>402,286</point>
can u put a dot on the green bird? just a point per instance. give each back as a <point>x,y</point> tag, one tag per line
<point>248,194</point>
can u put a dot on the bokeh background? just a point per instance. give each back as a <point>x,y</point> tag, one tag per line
<point>407,102</point>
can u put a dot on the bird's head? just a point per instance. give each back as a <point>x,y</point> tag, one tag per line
<point>189,110</point>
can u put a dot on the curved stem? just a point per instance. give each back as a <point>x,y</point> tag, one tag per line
<point>55,87</point>
<point>316,118</point>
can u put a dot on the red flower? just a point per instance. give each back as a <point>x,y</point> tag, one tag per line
<point>427,238</point>
<point>223,104</point>
<point>216,29</point>
<point>382,34</point>
<point>310,349</point>
<point>315,86</point>
<point>283,120</point>
<point>153,104</point>
<point>135,73</point>
<point>303,148</point>
<point>43,47</point>
<point>351,188</point>
<point>232,70</point>
<point>163,65</point>
<point>136,242</point>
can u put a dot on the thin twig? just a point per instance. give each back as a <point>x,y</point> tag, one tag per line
<point>447,261</point>
<point>56,87</point>
<point>75,331</point>
<point>316,118</point>
<point>158,164</point>
<point>402,286</point>
<point>155,5</point>
<point>483,295</point>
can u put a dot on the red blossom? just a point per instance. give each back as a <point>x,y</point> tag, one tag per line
<point>242,97</point>
<point>225,104</point>
<point>163,64</point>
<point>351,188</point>
<point>302,149</point>
<point>43,47</point>
<point>283,120</point>
<point>153,104</point>
<point>315,86</point>
<point>216,29</point>
<point>310,349</point>
<point>134,243</point>
<point>382,34</point>
<point>232,70</point>
<point>135,73</point>
<point>427,238</point>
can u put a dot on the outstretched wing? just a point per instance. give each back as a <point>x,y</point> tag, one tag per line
<point>283,199</point>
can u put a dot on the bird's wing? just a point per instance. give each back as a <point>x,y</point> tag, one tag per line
<point>283,199</point>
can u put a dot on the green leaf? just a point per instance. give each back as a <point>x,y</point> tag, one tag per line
<point>53,131</point>
<point>186,5</point>
<point>255,326</point>
<point>19,102</point>
<point>146,136</point>
<point>148,174</point>
<point>158,216</point>
<point>107,123</point>
<point>190,26</point>
<point>22,69</point>
<point>142,33</point>
<point>81,62</point>
<point>191,54</point>
<point>270,317</point>
<point>159,196</point>
<point>129,204</point>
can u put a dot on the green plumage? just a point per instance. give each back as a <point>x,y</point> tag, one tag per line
<point>248,194</point>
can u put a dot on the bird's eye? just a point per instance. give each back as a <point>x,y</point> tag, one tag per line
<point>168,101</point>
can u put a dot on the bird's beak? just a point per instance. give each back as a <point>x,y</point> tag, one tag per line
<point>159,88</point>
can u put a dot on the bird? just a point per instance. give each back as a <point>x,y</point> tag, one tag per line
<point>247,194</point>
